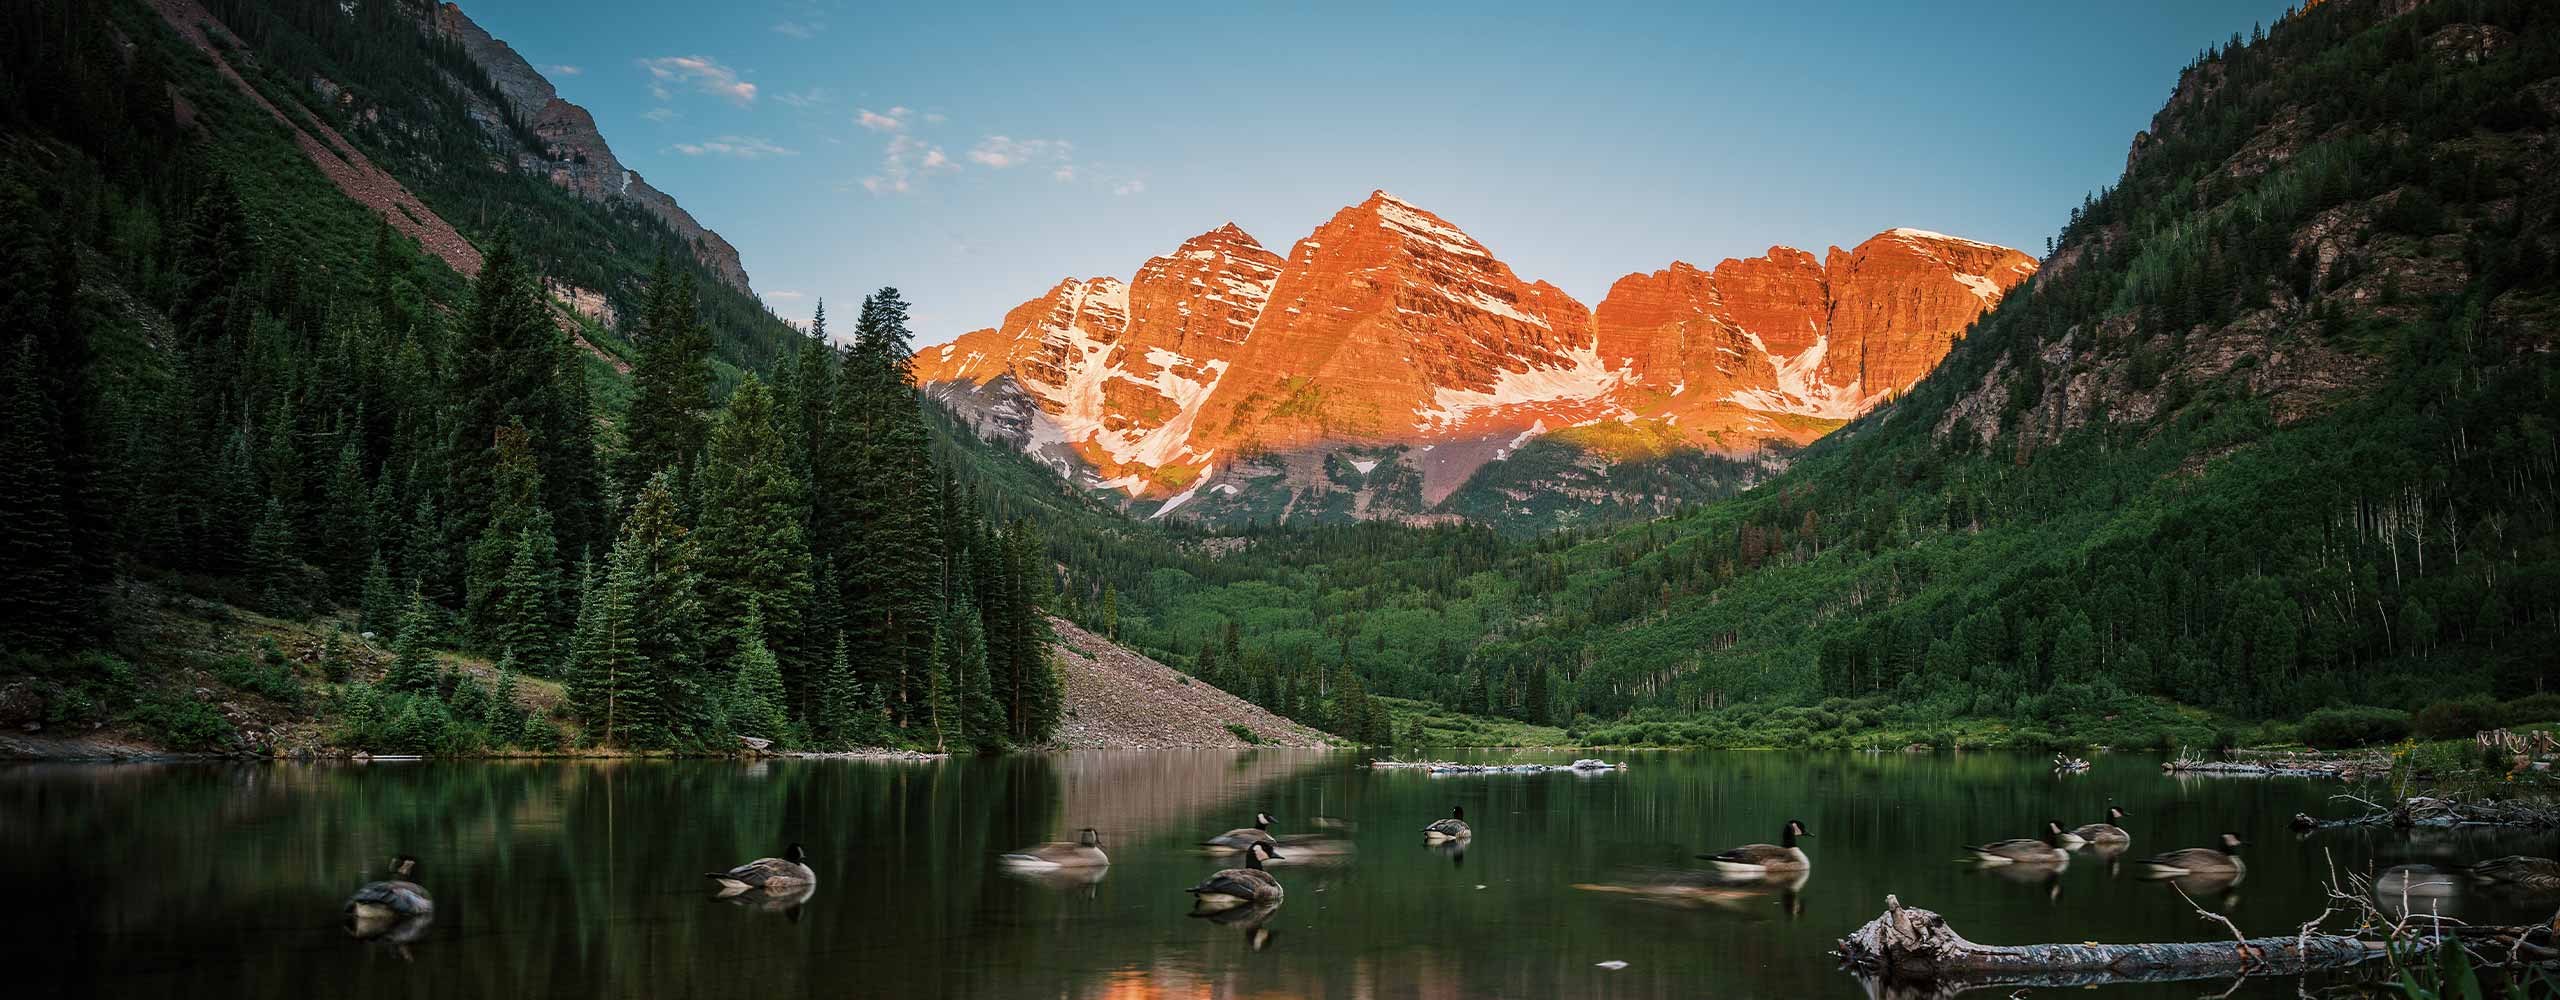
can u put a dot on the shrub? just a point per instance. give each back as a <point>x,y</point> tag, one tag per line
<point>271,679</point>
<point>2532,708</point>
<point>181,723</point>
<point>2354,726</point>
<point>2448,720</point>
<point>1245,733</point>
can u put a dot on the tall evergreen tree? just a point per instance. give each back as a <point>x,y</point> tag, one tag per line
<point>749,547</point>
<point>515,508</point>
<point>413,661</point>
<point>530,603</point>
<point>38,611</point>
<point>502,374</point>
<point>670,410</point>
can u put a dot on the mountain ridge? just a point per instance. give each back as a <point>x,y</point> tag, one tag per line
<point>1390,331</point>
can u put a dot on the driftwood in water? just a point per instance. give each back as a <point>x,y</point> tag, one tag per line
<point>1912,945</point>
<point>2428,810</point>
<point>2281,764</point>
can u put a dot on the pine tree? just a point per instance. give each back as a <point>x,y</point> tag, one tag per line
<point>615,690</point>
<point>755,688</point>
<point>270,565</point>
<point>37,610</point>
<point>515,508</point>
<point>501,378</point>
<point>662,582</point>
<point>749,546</point>
<point>345,538</point>
<point>505,719</point>
<point>380,611</point>
<point>567,448</point>
<point>413,662</point>
<point>883,484</point>
<point>846,715</point>
<point>982,720</point>
<point>530,603</point>
<point>670,385</point>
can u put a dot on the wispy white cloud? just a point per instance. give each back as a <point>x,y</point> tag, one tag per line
<point>810,98</point>
<point>798,29</point>
<point>907,159</point>
<point>934,118</point>
<point>661,114</point>
<point>894,120</point>
<point>744,147</point>
<point>700,72</point>
<point>1064,173</point>
<point>562,69</point>
<point>1129,187</point>
<point>1002,152</point>
<point>786,295</point>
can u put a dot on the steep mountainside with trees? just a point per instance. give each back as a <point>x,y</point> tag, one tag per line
<point>227,385</point>
<point>2272,430</point>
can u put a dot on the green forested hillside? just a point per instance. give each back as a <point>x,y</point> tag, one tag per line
<point>229,387</point>
<point>2273,431</point>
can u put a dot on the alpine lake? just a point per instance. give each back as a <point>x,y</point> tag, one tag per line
<point>205,881</point>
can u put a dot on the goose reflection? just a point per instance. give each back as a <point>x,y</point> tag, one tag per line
<point>2221,888</point>
<point>1454,850</point>
<point>1253,920</point>
<point>1316,849</point>
<point>1738,892</point>
<point>2421,891</point>
<point>2105,853</point>
<point>2046,876</point>
<point>783,899</point>
<point>1083,880</point>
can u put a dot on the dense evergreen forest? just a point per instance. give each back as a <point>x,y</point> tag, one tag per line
<point>208,408</point>
<point>2272,434</point>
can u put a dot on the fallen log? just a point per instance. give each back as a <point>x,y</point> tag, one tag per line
<point>2431,811</point>
<point>1913,945</point>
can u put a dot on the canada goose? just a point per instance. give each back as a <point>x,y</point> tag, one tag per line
<point>2025,850</point>
<point>2518,870</point>
<point>2200,860</point>
<point>394,899</point>
<point>1086,852</point>
<point>1453,828</point>
<point>1244,836</point>
<point>2099,833</point>
<point>1234,887</point>
<point>1783,856</point>
<point>790,871</point>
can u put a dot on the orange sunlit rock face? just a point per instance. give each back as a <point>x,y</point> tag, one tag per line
<point>1389,325</point>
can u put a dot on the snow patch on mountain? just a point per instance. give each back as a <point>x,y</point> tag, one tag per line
<point>1583,378</point>
<point>1799,387</point>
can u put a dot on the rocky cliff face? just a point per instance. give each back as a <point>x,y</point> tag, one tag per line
<point>1392,337</point>
<point>574,155</point>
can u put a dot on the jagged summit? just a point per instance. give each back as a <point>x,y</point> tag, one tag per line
<point>1389,326</point>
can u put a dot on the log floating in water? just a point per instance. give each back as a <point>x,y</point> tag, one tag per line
<point>2428,810</point>
<point>1909,944</point>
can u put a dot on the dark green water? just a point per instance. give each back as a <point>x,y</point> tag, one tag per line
<point>207,881</point>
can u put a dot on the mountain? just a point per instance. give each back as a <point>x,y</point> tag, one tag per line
<point>2269,437</point>
<point>570,151</point>
<point>1392,353</point>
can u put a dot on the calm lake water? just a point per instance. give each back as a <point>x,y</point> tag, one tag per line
<point>206,881</point>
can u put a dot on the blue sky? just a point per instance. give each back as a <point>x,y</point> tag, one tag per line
<point>974,155</point>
